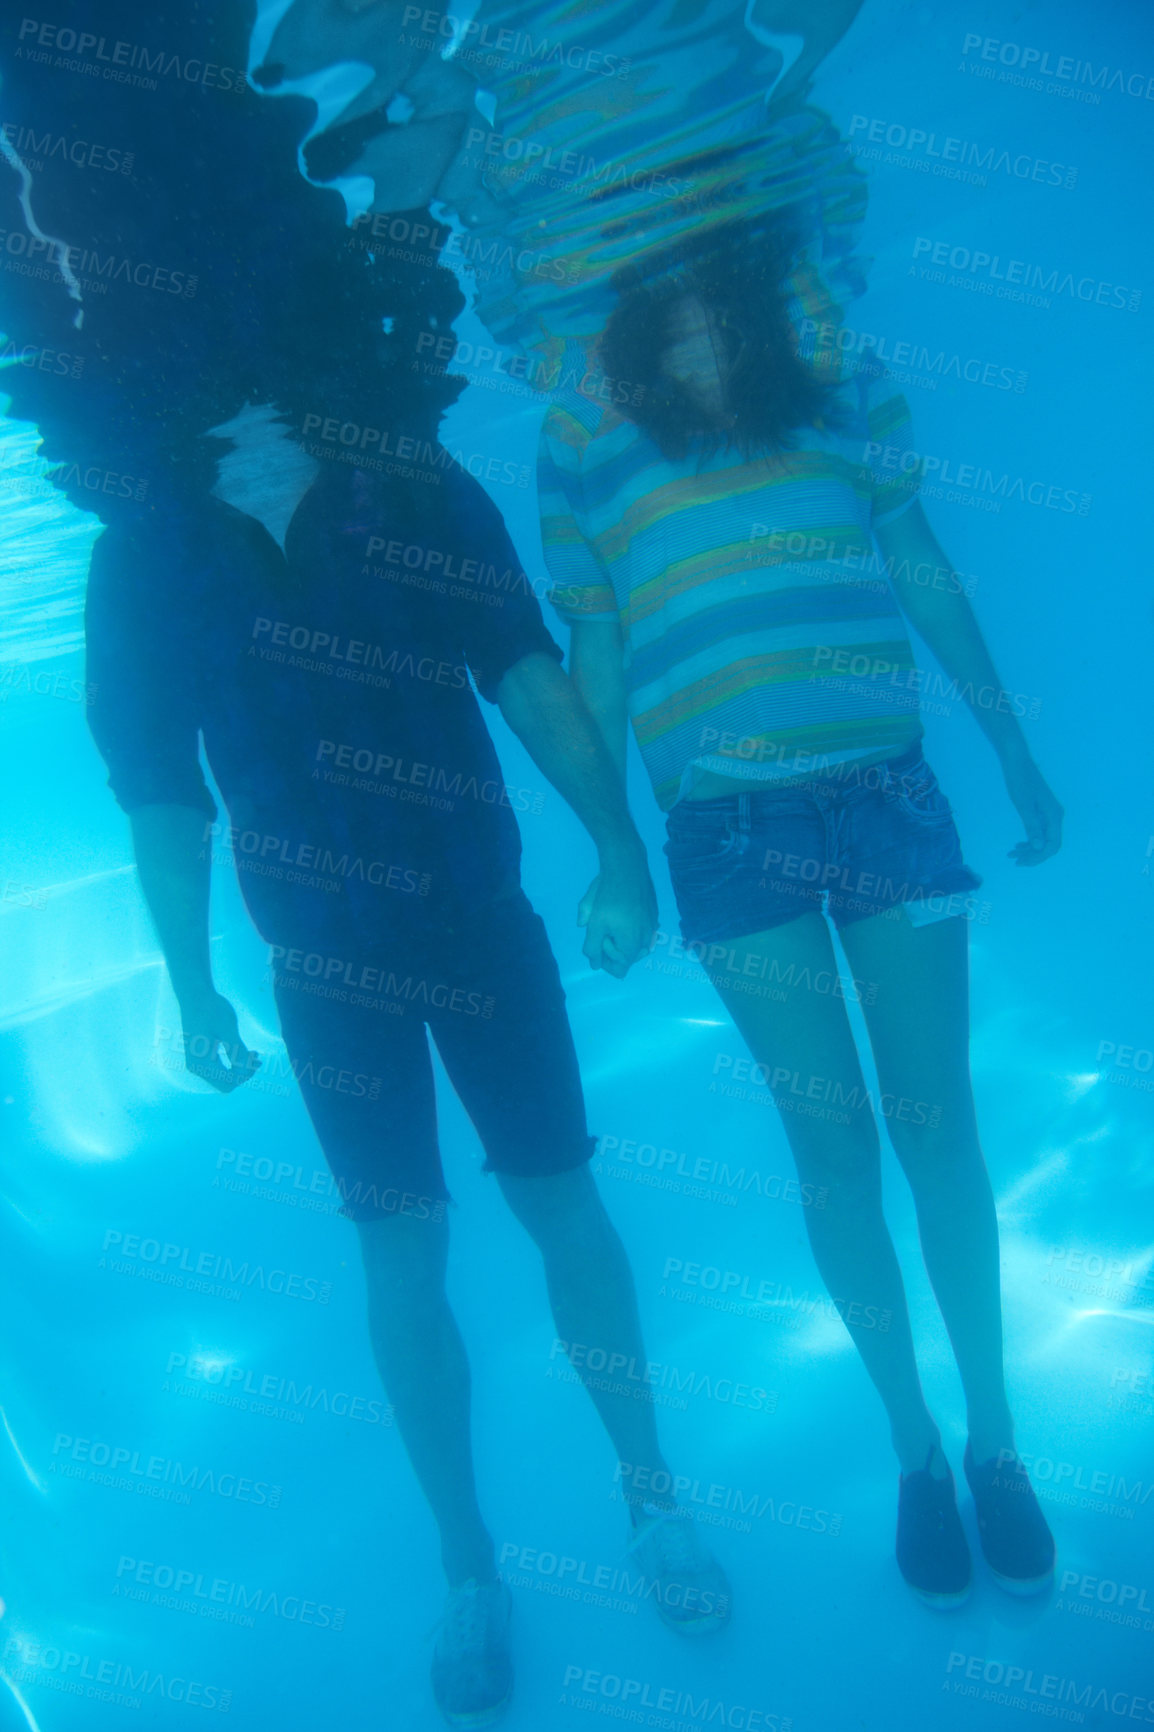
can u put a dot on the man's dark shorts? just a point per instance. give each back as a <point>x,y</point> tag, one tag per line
<point>490,992</point>
<point>861,844</point>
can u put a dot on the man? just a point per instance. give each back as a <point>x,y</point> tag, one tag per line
<point>291,660</point>
<point>291,665</point>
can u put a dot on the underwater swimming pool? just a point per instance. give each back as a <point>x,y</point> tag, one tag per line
<point>211,1505</point>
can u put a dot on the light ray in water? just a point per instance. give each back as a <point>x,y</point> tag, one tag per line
<point>61,247</point>
<point>1090,1316</point>
<point>29,1717</point>
<point>17,1012</point>
<point>67,885</point>
<point>19,1452</point>
<point>789,47</point>
<point>1048,1168</point>
<point>44,555</point>
<point>15,1207</point>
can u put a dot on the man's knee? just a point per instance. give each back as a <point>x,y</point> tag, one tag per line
<point>404,1251</point>
<point>558,1209</point>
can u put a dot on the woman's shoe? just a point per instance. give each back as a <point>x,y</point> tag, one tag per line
<point>932,1552</point>
<point>1016,1540</point>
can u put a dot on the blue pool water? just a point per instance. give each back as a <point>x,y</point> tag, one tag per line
<point>295,1575</point>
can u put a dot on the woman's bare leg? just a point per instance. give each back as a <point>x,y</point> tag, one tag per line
<point>803,1039</point>
<point>919,1027</point>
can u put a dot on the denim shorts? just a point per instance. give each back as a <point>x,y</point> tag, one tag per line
<point>865,842</point>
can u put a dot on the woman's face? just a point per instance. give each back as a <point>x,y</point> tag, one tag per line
<point>697,357</point>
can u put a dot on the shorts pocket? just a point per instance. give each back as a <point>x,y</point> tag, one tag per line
<point>916,792</point>
<point>704,841</point>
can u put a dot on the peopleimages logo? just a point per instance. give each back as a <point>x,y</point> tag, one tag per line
<point>1021,278</point>
<point>29,1661</point>
<point>595,1690</point>
<point>826,1089</point>
<point>36,149</point>
<point>326,648</point>
<point>926,150</point>
<point>653,1375</point>
<point>119,62</point>
<point>410,780</point>
<point>153,1475</point>
<point>716,1502</point>
<point>470,35</point>
<point>220,1599</point>
<point>1035,63</point>
<point>710,1278</point>
<point>561,166</point>
<point>417,243</point>
<point>255,1387</point>
<point>60,363</point>
<point>1050,1687</point>
<point>931,474</point>
<point>909,352</point>
<point>1105,1591</point>
<point>1073,1259</point>
<point>95,270</point>
<point>19,677</point>
<point>1073,1475</point>
<point>707,1169</point>
<point>210,1265</point>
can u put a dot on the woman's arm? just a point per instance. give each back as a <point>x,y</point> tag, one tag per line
<point>945,619</point>
<point>597,669</point>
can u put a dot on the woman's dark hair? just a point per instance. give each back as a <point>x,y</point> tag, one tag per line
<point>738,272</point>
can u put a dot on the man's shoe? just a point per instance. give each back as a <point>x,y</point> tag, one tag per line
<point>1016,1540</point>
<point>932,1552</point>
<point>691,1587</point>
<point>472,1669</point>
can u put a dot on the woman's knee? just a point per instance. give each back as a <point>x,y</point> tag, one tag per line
<point>929,1152</point>
<point>836,1157</point>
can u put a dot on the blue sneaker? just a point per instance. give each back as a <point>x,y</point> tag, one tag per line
<point>931,1547</point>
<point>472,1672</point>
<point>1016,1540</point>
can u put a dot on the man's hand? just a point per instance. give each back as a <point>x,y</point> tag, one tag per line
<point>209,1024</point>
<point>546,712</point>
<point>174,873</point>
<point>619,913</point>
<point>1037,808</point>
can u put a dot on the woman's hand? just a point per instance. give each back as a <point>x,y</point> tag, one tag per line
<point>619,913</point>
<point>1037,808</point>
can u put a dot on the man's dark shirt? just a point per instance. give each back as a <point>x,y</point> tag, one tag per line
<point>332,689</point>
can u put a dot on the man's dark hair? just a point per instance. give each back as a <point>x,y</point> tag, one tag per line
<point>738,272</point>
<point>279,299</point>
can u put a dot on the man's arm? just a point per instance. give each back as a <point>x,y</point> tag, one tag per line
<point>175,866</point>
<point>144,712</point>
<point>945,619</point>
<point>543,708</point>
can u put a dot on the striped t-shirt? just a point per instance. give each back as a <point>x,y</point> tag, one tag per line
<point>762,637</point>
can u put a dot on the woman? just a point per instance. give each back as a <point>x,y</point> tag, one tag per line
<point>715,557</point>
